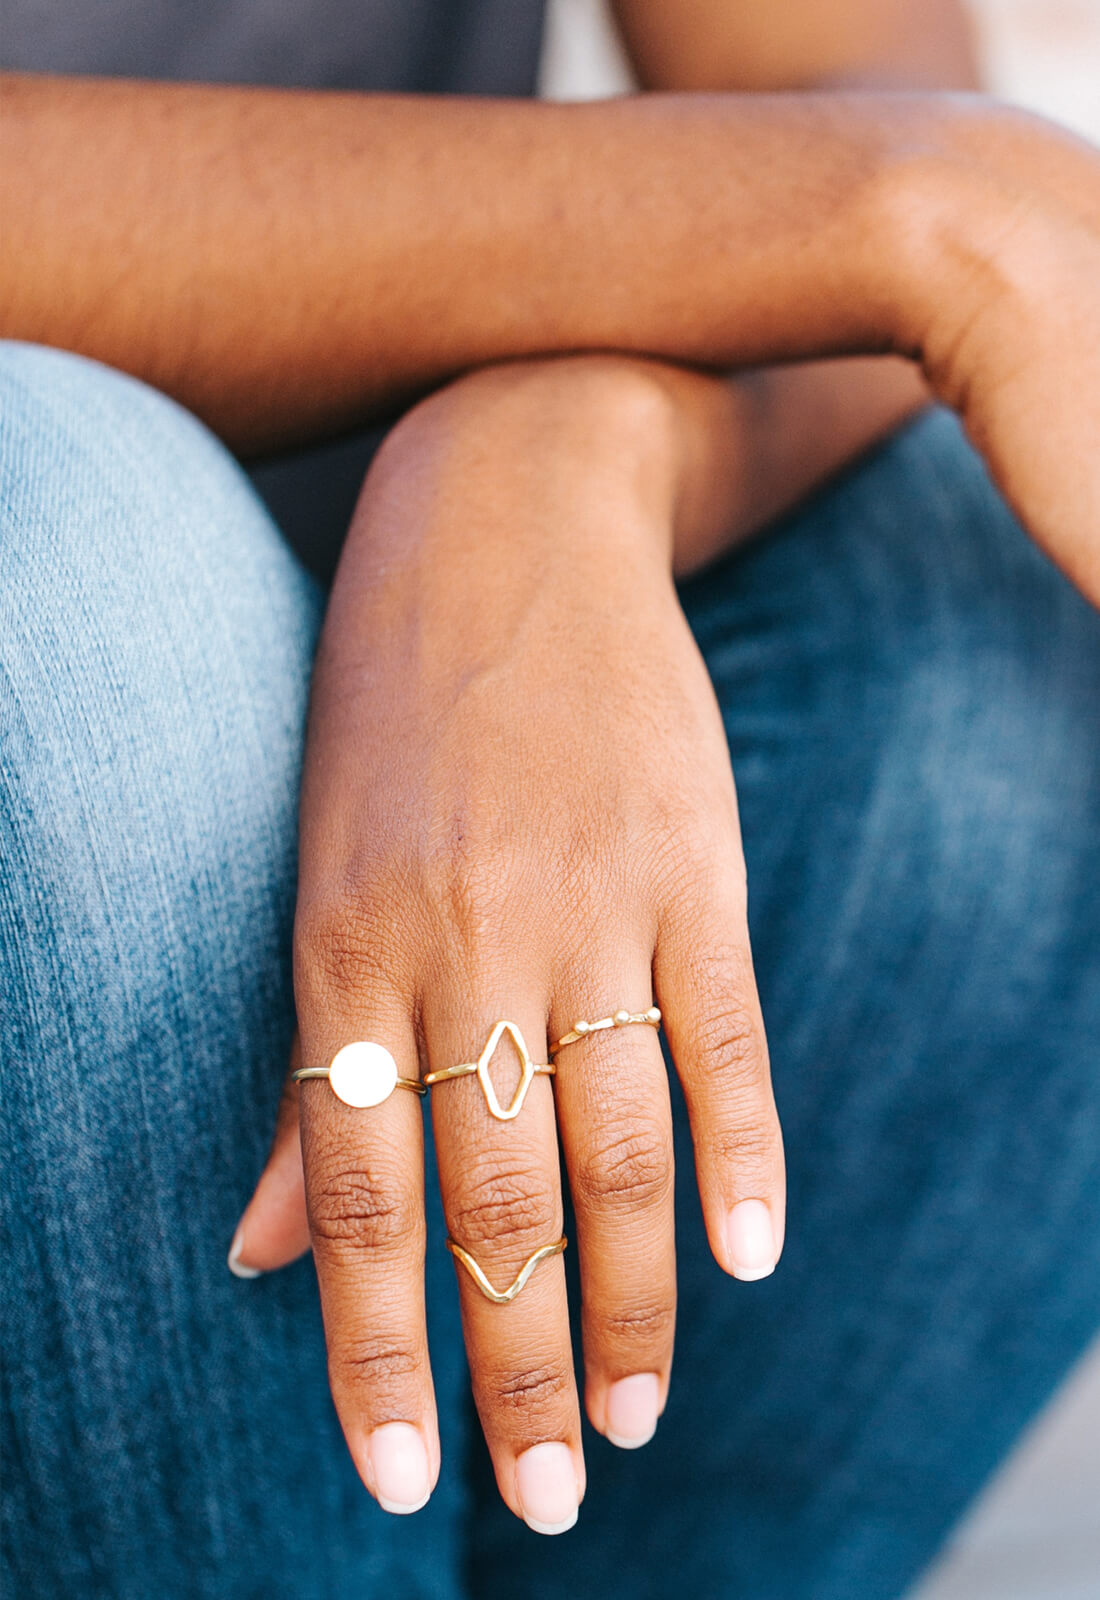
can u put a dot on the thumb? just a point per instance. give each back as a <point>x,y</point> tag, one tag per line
<point>274,1230</point>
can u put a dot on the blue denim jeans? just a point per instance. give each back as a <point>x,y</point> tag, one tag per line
<point>910,693</point>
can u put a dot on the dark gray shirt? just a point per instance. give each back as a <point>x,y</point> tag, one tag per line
<point>428,46</point>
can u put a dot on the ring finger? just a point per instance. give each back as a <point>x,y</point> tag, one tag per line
<point>615,1118</point>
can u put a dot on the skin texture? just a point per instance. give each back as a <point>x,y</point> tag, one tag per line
<point>517,798</point>
<point>142,231</point>
<point>157,298</point>
<point>757,46</point>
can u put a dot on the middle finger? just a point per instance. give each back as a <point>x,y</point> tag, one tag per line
<point>502,1201</point>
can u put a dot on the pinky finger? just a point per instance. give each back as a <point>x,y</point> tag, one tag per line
<point>707,993</point>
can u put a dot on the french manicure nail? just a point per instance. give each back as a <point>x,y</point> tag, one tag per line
<point>632,1411</point>
<point>399,1467</point>
<point>750,1241</point>
<point>234,1262</point>
<point>546,1486</point>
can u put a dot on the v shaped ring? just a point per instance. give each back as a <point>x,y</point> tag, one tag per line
<point>502,1297</point>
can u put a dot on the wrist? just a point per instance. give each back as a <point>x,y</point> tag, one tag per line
<point>961,231</point>
<point>503,507</point>
<point>555,453</point>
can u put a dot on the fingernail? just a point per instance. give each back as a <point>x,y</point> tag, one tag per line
<point>546,1485</point>
<point>234,1262</point>
<point>399,1467</point>
<point>750,1241</point>
<point>632,1411</point>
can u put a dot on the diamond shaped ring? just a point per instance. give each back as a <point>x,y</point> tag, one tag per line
<point>529,1070</point>
<point>361,1074</point>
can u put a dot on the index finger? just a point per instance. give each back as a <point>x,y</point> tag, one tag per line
<point>364,1172</point>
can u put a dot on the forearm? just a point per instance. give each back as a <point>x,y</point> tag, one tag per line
<point>288,262</point>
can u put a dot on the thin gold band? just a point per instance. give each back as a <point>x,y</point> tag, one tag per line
<point>621,1019</point>
<point>547,1068</point>
<point>501,1297</point>
<point>323,1072</point>
<point>481,1066</point>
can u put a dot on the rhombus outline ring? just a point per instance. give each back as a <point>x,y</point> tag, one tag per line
<point>529,1070</point>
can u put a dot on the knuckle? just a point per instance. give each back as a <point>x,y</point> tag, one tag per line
<point>530,1389</point>
<point>746,1147</point>
<point>468,884</point>
<point>683,851</point>
<point>507,1206</point>
<point>696,850</point>
<point>379,1365</point>
<point>350,1208</point>
<point>338,949</point>
<point>726,1043</point>
<point>629,1169</point>
<point>648,1325</point>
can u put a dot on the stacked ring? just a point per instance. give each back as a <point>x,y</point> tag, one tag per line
<point>621,1019</point>
<point>361,1074</point>
<point>501,1297</point>
<point>481,1066</point>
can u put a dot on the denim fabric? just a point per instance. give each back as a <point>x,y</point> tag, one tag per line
<point>911,695</point>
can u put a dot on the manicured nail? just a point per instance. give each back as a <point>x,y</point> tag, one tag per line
<point>546,1485</point>
<point>235,1264</point>
<point>632,1411</point>
<point>750,1241</point>
<point>399,1467</point>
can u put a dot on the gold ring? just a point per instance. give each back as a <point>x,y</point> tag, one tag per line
<point>481,1067</point>
<point>361,1074</point>
<point>621,1019</point>
<point>502,1297</point>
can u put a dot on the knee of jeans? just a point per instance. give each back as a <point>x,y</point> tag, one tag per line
<point>974,722</point>
<point>927,683</point>
<point>91,455</point>
<point>986,763</point>
<point>155,640</point>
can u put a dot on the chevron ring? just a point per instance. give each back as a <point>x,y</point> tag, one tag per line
<point>501,1297</point>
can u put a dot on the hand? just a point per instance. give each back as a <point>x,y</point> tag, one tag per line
<point>518,804</point>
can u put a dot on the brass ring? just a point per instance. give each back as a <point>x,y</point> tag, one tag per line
<point>361,1074</point>
<point>621,1019</point>
<point>503,1297</point>
<point>481,1067</point>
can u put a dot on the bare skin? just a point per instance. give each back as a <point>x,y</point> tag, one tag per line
<point>239,252</point>
<point>517,799</point>
<point>142,228</point>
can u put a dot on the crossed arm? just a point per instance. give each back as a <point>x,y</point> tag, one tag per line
<point>287,264</point>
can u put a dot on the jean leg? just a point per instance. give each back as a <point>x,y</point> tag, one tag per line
<point>168,1427</point>
<point>910,694</point>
